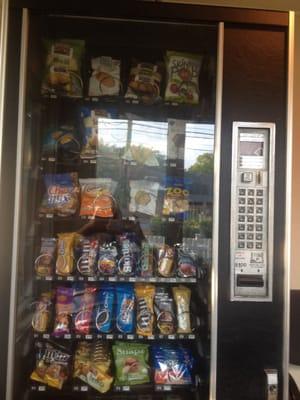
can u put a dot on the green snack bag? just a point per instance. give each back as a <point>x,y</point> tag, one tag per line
<point>62,75</point>
<point>131,362</point>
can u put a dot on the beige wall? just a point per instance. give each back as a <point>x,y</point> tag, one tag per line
<point>295,6</point>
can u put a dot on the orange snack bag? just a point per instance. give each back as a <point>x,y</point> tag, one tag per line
<point>96,197</point>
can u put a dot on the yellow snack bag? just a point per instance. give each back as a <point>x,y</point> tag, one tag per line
<point>182,297</point>
<point>145,310</point>
<point>65,260</point>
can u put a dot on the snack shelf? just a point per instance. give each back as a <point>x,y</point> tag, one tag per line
<point>129,218</point>
<point>115,336</point>
<point>174,280</point>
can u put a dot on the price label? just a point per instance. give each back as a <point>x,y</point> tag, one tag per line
<point>46,336</point>
<point>172,337</point>
<point>91,278</point>
<point>132,279</point>
<point>41,388</point>
<point>89,337</point>
<point>49,278</point>
<point>93,161</point>
<point>84,388</point>
<point>70,278</point>
<point>130,337</point>
<point>109,337</point>
<point>67,336</point>
<point>50,216</point>
<point>126,388</point>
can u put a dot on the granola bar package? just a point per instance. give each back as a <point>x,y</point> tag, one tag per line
<point>42,315</point>
<point>183,71</point>
<point>62,74</point>
<point>65,261</point>
<point>63,311</point>
<point>105,77</point>
<point>182,297</point>
<point>44,264</point>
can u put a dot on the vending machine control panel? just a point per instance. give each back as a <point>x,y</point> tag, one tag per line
<point>252,211</point>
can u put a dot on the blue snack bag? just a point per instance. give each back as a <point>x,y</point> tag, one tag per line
<point>103,314</point>
<point>125,308</point>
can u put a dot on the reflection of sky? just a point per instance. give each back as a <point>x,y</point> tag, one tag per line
<point>199,138</point>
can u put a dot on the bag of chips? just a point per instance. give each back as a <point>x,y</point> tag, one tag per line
<point>107,261</point>
<point>63,311</point>
<point>53,364</point>
<point>125,308</point>
<point>87,262</point>
<point>45,262</point>
<point>144,82</point>
<point>62,75</point>
<point>92,365</point>
<point>83,304</point>
<point>166,261</point>
<point>182,297</point>
<point>65,253</point>
<point>145,313</point>
<point>143,197</point>
<point>129,254</point>
<point>96,197</point>
<point>104,309</point>
<point>42,315</point>
<point>105,78</point>
<point>176,198</point>
<point>183,71</point>
<point>147,261</point>
<point>62,194</point>
<point>131,363</point>
<point>164,311</point>
<point>61,143</point>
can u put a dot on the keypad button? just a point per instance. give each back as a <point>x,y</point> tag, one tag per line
<point>242,200</point>
<point>241,227</point>
<point>250,218</point>
<point>259,201</point>
<point>250,201</point>
<point>242,192</point>
<point>241,236</point>
<point>250,228</point>
<point>241,245</point>
<point>259,218</point>
<point>250,192</point>
<point>250,236</point>
<point>258,236</point>
<point>259,192</point>
<point>242,218</point>
<point>259,228</point>
<point>249,245</point>
<point>242,210</point>
<point>258,245</point>
<point>259,210</point>
<point>250,210</point>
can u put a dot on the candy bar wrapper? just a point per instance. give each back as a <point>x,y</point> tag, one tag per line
<point>145,313</point>
<point>53,364</point>
<point>186,264</point>
<point>61,195</point>
<point>165,311</point>
<point>148,260</point>
<point>63,311</point>
<point>42,315</point>
<point>105,78</point>
<point>62,143</point>
<point>143,197</point>
<point>107,261</point>
<point>183,71</point>
<point>166,261</point>
<point>182,297</point>
<point>176,139</point>
<point>65,261</point>
<point>125,309</point>
<point>144,82</point>
<point>83,304</point>
<point>87,262</point>
<point>104,309</point>
<point>96,197</point>
<point>45,262</point>
<point>62,74</point>
<point>129,254</point>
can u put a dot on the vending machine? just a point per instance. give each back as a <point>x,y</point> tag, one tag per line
<point>145,146</point>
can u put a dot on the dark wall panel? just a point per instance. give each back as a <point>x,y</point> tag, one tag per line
<point>250,335</point>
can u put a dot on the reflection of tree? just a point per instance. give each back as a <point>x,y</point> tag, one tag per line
<point>202,226</point>
<point>203,164</point>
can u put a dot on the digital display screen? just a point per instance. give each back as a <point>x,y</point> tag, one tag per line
<point>248,148</point>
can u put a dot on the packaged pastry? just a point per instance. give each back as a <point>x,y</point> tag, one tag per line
<point>62,74</point>
<point>87,262</point>
<point>186,263</point>
<point>62,194</point>
<point>83,304</point>
<point>164,311</point>
<point>92,365</point>
<point>144,309</point>
<point>166,261</point>
<point>183,71</point>
<point>107,261</point>
<point>44,264</point>
<point>105,78</point>
<point>148,260</point>
<point>42,315</point>
<point>61,143</point>
<point>96,197</point>
<point>144,82</point>
<point>131,363</point>
<point>143,196</point>
<point>182,297</point>
<point>129,254</point>
<point>65,260</point>
<point>125,308</point>
<point>63,311</point>
<point>104,308</point>
<point>176,197</point>
<point>53,364</point>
